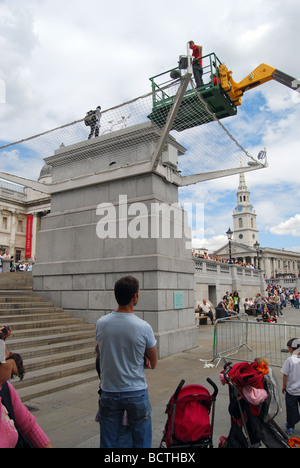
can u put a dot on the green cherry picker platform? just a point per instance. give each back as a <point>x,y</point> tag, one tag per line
<point>219,97</point>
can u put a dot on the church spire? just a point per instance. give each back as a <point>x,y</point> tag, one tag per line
<point>242,185</point>
<point>244,217</point>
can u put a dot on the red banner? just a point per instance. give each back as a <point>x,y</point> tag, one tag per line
<point>28,236</point>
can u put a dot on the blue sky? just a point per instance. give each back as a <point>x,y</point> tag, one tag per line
<point>268,118</point>
<point>62,58</point>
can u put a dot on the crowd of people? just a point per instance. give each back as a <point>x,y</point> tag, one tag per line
<point>266,308</point>
<point>22,266</point>
<point>230,305</point>
<point>219,259</point>
<point>14,266</point>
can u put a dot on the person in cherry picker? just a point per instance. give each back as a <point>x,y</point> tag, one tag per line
<point>197,63</point>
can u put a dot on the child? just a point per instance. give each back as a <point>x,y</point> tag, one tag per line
<point>291,385</point>
<point>267,317</point>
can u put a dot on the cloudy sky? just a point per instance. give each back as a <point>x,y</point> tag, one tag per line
<point>60,58</point>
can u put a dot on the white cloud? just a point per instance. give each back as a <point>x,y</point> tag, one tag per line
<point>291,227</point>
<point>13,162</point>
<point>106,51</point>
<point>211,244</point>
<point>255,35</point>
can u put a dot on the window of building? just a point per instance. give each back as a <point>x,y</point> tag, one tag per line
<point>18,255</point>
<point>20,225</point>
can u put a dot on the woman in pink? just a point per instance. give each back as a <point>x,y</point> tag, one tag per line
<point>24,419</point>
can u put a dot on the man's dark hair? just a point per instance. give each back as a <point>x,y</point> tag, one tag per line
<point>125,289</point>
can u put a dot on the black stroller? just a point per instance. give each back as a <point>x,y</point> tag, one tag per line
<point>190,419</point>
<point>252,424</point>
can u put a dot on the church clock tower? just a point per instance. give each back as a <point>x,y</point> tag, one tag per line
<point>244,217</point>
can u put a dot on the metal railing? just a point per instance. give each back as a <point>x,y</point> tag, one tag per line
<point>240,338</point>
<point>158,82</point>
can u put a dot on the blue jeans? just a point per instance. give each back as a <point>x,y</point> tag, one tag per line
<point>112,407</point>
<point>292,409</point>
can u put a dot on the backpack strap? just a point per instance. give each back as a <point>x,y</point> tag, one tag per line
<point>6,400</point>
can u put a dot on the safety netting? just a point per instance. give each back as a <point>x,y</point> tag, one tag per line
<point>208,146</point>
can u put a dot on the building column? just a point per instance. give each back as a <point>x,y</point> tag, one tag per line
<point>34,235</point>
<point>13,230</point>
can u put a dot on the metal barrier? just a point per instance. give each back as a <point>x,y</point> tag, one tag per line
<point>241,339</point>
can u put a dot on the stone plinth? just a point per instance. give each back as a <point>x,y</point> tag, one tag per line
<point>6,265</point>
<point>129,225</point>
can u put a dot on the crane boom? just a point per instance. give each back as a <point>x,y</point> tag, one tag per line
<point>260,75</point>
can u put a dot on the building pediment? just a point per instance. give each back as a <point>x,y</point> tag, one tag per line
<point>237,249</point>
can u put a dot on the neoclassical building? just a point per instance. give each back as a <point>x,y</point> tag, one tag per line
<point>21,210</point>
<point>274,262</point>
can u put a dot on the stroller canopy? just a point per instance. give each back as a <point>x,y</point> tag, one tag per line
<point>192,421</point>
<point>244,374</point>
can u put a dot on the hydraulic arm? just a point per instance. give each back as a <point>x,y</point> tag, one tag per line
<point>260,75</point>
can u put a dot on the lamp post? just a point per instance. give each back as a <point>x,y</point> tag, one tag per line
<point>256,246</point>
<point>229,234</point>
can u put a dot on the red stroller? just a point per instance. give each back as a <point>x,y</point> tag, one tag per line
<point>188,423</point>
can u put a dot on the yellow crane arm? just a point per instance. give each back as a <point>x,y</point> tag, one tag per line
<point>260,75</point>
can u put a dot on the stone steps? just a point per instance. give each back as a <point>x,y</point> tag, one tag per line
<point>58,335</point>
<point>29,352</point>
<point>23,304</point>
<point>28,322</point>
<point>55,385</point>
<point>23,299</point>
<point>16,281</point>
<point>57,348</point>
